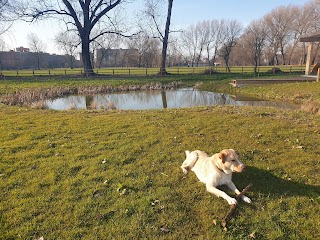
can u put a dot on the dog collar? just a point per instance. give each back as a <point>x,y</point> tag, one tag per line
<point>219,168</point>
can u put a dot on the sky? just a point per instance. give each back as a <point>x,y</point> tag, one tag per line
<point>184,13</point>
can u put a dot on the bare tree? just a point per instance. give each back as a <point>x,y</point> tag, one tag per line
<point>189,40</point>
<point>81,16</point>
<point>175,56</point>
<point>7,14</point>
<point>254,38</point>
<point>203,31</point>
<point>2,47</point>
<point>102,45</point>
<point>166,40</point>
<point>36,46</point>
<point>69,43</point>
<point>195,39</point>
<point>216,38</point>
<point>152,13</point>
<point>147,48</point>
<point>279,28</point>
<point>231,35</point>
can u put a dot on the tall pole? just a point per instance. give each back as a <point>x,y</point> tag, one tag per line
<point>308,63</point>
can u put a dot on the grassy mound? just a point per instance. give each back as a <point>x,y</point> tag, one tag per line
<point>116,174</point>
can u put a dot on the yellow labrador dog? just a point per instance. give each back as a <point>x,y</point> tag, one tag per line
<point>215,171</point>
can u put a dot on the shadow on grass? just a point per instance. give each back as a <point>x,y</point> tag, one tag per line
<point>264,182</point>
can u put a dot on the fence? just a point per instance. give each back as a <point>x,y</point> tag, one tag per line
<point>150,71</point>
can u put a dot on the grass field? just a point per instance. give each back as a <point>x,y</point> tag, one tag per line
<point>116,174</point>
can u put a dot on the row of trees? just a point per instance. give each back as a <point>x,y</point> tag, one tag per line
<point>273,39</point>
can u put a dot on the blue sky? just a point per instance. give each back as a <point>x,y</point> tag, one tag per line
<point>184,13</point>
<point>188,12</point>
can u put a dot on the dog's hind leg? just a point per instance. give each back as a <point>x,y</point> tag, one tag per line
<point>191,159</point>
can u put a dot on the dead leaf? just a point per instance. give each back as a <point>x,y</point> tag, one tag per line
<point>165,229</point>
<point>298,147</point>
<point>252,235</point>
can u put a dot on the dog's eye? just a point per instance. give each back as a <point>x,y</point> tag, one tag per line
<point>233,160</point>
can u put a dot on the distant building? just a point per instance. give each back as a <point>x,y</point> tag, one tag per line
<point>22,49</point>
<point>22,58</point>
<point>107,57</point>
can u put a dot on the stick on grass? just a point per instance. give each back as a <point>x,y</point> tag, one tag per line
<point>233,207</point>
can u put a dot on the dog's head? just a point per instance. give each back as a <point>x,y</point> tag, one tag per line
<point>230,161</point>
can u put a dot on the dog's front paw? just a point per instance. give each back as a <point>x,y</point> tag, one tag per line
<point>232,201</point>
<point>246,199</point>
<point>185,171</point>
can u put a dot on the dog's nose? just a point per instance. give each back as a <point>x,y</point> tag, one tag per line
<point>243,167</point>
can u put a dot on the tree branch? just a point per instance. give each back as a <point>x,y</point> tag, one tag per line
<point>103,12</point>
<point>112,32</point>
<point>233,207</point>
<point>73,14</point>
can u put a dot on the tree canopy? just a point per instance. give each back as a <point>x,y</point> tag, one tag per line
<point>82,17</point>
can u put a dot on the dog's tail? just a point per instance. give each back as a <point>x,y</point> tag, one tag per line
<point>191,159</point>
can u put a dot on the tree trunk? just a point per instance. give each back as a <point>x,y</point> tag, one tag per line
<point>86,58</point>
<point>165,40</point>
<point>38,61</point>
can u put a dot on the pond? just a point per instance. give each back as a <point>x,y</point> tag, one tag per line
<point>140,100</point>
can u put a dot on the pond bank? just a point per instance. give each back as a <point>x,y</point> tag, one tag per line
<point>306,94</point>
<point>31,96</point>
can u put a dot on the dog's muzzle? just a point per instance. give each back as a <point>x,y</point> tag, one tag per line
<point>239,168</point>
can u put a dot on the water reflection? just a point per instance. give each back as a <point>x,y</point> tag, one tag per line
<point>179,98</point>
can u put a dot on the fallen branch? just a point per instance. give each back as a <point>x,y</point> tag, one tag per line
<point>233,207</point>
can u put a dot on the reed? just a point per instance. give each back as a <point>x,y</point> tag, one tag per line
<point>111,106</point>
<point>72,106</point>
<point>39,105</point>
<point>311,107</point>
<point>85,90</point>
<point>29,97</point>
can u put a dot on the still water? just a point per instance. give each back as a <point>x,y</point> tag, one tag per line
<point>178,98</point>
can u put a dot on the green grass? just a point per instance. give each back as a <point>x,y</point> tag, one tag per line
<point>116,174</point>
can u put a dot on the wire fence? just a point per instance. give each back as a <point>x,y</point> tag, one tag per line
<point>153,71</point>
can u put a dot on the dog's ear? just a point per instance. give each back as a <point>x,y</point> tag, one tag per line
<point>223,156</point>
